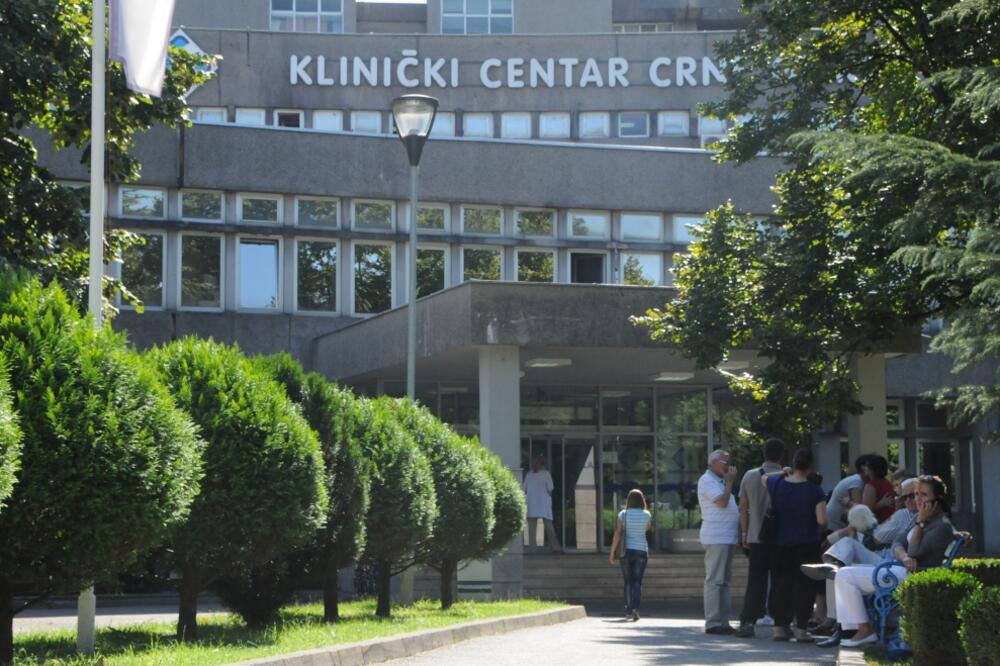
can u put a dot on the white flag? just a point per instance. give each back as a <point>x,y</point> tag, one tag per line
<point>140,31</point>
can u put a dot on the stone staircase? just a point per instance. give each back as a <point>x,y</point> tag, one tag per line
<point>588,576</point>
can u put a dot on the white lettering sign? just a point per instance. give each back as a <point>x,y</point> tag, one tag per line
<point>411,71</point>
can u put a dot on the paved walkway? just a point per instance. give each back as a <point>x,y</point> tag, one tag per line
<point>607,640</point>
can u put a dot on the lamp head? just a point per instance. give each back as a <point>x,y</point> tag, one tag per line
<point>414,117</point>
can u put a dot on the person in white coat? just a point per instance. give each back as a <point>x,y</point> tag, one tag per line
<point>538,488</point>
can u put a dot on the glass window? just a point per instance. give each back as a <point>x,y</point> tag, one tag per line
<point>477,220</point>
<point>372,278</point>
<point>680,462</point>
<point>431,218</point>
<point>373,215</point>
<point>594,125</point>
<point>253,117</point>
<point>553,125</point>
<point>534,223</point>
<point>142,270</point>
<point>477,125</point>
<point>258,261</point>
<point>210,114</point>
<point>929,416</point>
<point>940,458</point>
<point>201,206</point>
<point>477,17</point>
<point>673,123</point>
<point>682,409</point>
<point>641,226</point>
<point>316,212</point>
<point>481,264</point>
<point>588,225</point>
<point>645,270</point>
<point>711,126</point>
<point>894,415</point>
<point>444,124</point>
<point>369,122</point>
<point>558,408</point>
<point>288,119</point>
<point>627,408</point>
<point>430,271</point>
<point>254,208</point>
<point>633,124</point>
<point>536,266</point>
<point>316,272</point>
<point>201,271</point>
<point>515,125</point>
<point>330,121</point>
<point>307,15</point>
<point>587,267</point>
<point>682,227</point>
<point>139,202</point>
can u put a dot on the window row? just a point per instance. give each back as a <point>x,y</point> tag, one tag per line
<point>477,17</point>
<point>512,124</point>
<point>199,262</point>
<point>307,15</point>
<point>380,216</point>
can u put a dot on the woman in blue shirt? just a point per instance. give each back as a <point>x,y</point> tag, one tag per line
<point>633,523</point>
<point>800,507</point>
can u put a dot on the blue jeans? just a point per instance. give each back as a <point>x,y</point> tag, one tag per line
<point>633,568</point>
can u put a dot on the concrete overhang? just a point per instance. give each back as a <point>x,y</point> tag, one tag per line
<point>587,325</point>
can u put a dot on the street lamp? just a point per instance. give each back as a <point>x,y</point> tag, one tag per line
<point>414,116</point>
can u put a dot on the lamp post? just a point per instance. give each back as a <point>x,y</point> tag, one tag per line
<point>414,116</point>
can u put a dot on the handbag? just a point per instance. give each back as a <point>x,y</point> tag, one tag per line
<point>621,544</point>
<point>768,533</point>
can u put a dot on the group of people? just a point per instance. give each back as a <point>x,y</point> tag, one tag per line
<point>811,555</point>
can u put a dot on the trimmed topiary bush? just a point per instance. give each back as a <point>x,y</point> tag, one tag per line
<point>402,511</point>
<point>10,437</point>
<point>929,602</point>
<point>264,491</point>
<point>985,570</point>
<point>979,618</point>
<point>108,461</point>
<point>464,494</point>
<point>509,505</point>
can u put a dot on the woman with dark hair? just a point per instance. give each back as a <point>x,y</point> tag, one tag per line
<point>633,523</point>
<point>800,508</point>
<point>878,494</point>
<point>922,547</point>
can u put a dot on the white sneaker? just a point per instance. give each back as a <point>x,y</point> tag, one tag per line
<point>766,621</point>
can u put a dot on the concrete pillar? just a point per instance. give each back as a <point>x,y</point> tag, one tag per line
<point>500,431</point>
<point>866,431</point>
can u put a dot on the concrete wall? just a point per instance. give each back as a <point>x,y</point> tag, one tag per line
<point>561,16</point>
<point>235,14</point>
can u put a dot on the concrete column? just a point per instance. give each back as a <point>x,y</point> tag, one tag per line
<point>866,431</point>
<point>500,431</point>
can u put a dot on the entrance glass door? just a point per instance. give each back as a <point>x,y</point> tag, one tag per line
<point>573,471</point>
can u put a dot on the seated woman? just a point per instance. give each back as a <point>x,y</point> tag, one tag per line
<point>923,547</point>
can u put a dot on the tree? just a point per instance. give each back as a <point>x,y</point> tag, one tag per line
<point>331,414</point>
<point>108,461</point>
<point>463,490</point>
<point>264,490</point>
<point>887,115</point>
<point>10,437</point>
<point>402,511</point>
<point>45,59</point>
<point>509,506</point>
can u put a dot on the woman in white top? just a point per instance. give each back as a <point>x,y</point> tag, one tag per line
<point>633,523</point>
<point>538,488</point>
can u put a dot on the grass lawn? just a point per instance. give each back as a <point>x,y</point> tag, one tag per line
<point>224,639</point>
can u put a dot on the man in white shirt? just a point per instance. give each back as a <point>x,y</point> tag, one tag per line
<point>845,494</point>
<point>720,519</point>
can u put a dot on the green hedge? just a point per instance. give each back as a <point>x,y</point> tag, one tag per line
<point>930,601</point>
<point>979,614</point>
<point>10,437</point>
<point>986,571</point>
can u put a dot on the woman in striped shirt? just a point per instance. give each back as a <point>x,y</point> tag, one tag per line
<point>633,523</point>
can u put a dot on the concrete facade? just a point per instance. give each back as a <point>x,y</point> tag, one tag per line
<point>538,121</point>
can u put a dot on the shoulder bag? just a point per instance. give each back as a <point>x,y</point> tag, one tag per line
<point>768,533</point>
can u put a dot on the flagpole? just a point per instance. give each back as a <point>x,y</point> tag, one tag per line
<point>86,607</point>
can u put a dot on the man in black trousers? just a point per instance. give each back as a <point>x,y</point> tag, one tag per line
<point>753,504</point>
